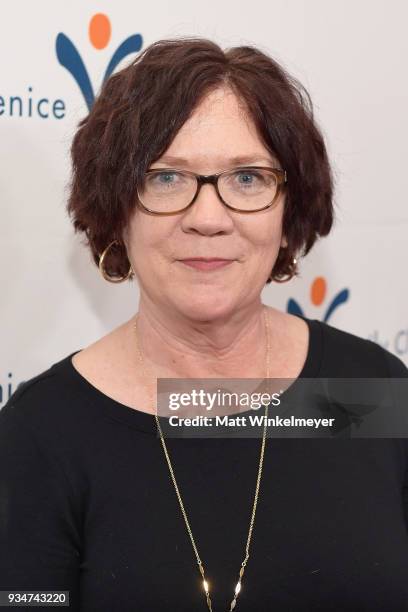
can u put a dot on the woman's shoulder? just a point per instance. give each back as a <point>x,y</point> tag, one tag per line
<point>44,399</point>
<point>350,355</point>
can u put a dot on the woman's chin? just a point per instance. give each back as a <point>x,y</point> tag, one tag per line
<point>206,309</point>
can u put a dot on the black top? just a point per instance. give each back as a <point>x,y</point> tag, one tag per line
<point>87,504</point>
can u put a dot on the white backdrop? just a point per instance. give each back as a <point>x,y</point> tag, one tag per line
<point>350,56</point>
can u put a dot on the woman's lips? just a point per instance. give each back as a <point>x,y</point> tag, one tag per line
<point>206,264</point>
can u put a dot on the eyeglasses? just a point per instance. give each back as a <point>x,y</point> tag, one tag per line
<point>168,191</point>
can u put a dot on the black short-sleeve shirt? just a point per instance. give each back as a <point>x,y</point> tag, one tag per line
<point>87,504</point>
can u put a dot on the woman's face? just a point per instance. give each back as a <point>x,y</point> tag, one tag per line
<point>217,131</point>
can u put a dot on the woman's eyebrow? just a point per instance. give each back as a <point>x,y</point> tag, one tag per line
<point>236,160</point>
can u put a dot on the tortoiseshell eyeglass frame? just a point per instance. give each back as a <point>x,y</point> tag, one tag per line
<point>202,179</point>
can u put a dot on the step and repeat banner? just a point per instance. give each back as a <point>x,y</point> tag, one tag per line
<point>352,59</point>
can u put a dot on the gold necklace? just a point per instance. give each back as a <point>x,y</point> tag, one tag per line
<point>252,521</point>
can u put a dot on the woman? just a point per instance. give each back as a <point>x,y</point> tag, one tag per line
<point>91,502</point>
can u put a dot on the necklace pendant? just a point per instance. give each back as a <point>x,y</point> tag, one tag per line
<point>237,590</point>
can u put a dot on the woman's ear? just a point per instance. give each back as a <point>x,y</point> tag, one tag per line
<point>284,242</point>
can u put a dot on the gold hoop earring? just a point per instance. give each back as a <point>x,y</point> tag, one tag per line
<point>113,279</point>
<point>289,276</point>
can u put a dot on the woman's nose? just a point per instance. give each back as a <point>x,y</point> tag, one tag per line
<point>208,215</point>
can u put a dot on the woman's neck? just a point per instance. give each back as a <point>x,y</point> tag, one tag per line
<point>176,347</point>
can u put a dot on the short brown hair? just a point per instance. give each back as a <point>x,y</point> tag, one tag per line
<point>141,108</point>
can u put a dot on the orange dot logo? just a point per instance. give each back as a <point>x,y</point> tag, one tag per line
<point>99,31</point>
<point>318,290</point>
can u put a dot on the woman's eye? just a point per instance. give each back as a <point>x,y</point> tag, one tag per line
<point>166,177</point>
<point>247,178</point>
